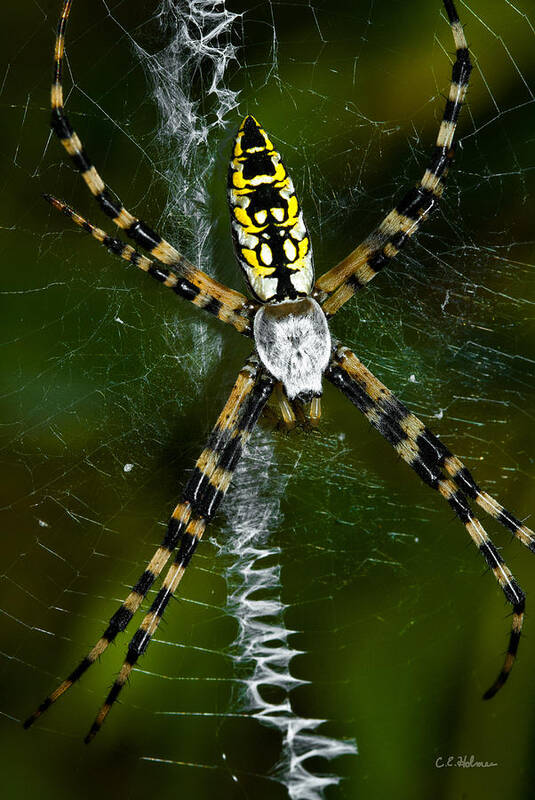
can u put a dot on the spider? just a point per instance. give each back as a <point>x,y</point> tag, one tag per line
<point>294,351</point>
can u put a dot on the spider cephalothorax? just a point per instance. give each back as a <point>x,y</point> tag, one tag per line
<point>293,347</point>
<point>294,344</point>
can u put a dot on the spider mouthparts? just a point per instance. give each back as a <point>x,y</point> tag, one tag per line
<point>306,397</point>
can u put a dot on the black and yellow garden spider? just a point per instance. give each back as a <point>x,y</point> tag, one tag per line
<point>288,322</point>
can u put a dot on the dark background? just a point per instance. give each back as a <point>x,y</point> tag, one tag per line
<point>401,629</point>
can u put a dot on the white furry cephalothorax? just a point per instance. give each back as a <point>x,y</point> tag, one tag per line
<point>294,344</point>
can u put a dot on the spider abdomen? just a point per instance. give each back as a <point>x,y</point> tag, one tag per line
<point>270,237</point>
<point>294,344</point>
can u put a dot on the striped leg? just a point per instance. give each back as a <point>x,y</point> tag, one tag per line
<point>432,451</point>
<point>199,498</point>
<point>167,277</point>
<point>118,622</point>
<point>421,449</point>
<point>198,287</point>
<point>339,284</point>
<point>205,490</point>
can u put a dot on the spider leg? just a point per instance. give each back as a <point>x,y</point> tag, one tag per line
<point>202,495</point>
<point>419,448</point>
<point>228,305</point>
<point>167,277</point>
<point>340,283</point>
<point>432,450</point>
<point>416,439</point>
<point>204,492</point>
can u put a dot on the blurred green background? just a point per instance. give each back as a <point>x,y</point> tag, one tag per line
<point>112,385</point>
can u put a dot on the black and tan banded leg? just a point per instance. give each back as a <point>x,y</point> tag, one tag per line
<point>118,622</point>
<point>196,286</point>
<point>425,449</point>
<point>202,495</point>
<point>204,491</point>
<point>339,284</point>
<point>167,277</point>
<point>424,452</point>
<point>433,452</point>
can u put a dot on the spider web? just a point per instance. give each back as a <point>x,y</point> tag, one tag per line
<point>336,602</point>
